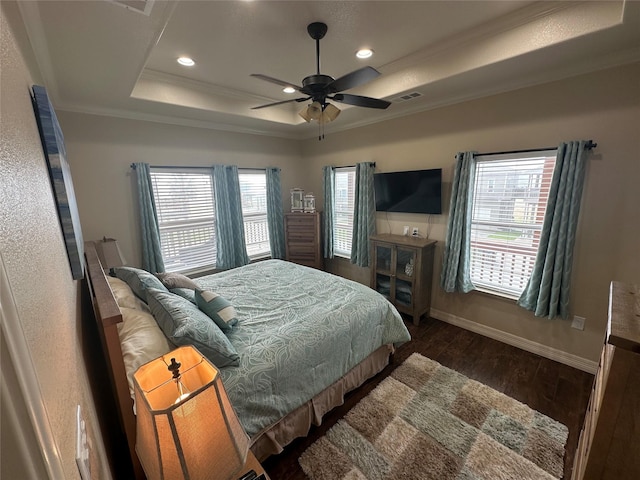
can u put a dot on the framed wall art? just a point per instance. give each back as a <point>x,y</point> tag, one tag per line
<point>60,174</point>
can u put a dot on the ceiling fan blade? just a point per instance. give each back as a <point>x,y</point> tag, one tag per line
<point>353,79</point>
<point>302,99</point>
<point>360,101</point>
<point>276,81</point>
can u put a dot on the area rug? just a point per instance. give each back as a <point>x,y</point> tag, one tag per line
<point>426,421</point>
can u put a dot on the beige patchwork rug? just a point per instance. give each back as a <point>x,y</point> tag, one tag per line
<point>426,421</point>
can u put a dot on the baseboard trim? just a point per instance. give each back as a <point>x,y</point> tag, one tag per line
<point>551,353</point>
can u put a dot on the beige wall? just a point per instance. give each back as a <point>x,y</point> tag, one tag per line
<point>46,299</point>
<point>603,106</point>
<point>101,150</point>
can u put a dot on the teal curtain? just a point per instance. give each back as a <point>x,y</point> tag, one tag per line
<point>230,242</point>
<point>329,212</point>
<point>275,216</point>
<point>364,214</point>
<point>455,275</point>
<point>150,231</point>
<point>547,291</point>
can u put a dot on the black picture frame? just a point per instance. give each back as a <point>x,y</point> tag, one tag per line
<point>61,182</point>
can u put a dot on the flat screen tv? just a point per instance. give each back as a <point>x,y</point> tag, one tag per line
<point>416,191</point>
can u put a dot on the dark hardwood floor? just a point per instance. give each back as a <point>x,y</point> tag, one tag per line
<point>554,389</point>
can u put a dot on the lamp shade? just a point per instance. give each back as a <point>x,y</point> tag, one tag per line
<point>315,110</point>
<point>109,253</point>
<point>329,114</point>
<point>192,436</point>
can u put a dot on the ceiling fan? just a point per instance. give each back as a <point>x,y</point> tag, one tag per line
<point>319,88</point>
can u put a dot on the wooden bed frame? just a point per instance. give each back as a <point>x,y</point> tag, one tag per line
<point>108,316</point>
<point>270,441</point>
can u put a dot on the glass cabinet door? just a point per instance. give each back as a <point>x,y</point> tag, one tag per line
<point>405,264</point>
<point>384,269</point>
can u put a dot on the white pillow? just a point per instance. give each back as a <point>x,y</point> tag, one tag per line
<point>141,340</point>
<point>124,295</point>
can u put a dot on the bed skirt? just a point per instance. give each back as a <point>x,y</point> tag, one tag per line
<point>296,424</point>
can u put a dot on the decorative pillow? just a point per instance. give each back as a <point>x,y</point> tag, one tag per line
<point>139,280</point>
<point>217,309</point>
<point>124,295</point>
<point>187,293</point>
<point>184,324</point>
<point>176,280</point>
<point>141,340</point>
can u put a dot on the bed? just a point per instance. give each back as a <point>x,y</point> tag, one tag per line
<point>303,339</point>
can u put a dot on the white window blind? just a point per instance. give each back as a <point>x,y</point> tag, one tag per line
<point>345,185</point>
<point>253,191</point>
<point>186,218</point>
<point>509,204</point>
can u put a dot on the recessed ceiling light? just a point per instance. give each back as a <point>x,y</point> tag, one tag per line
<point>288,89</point>
<point>186,61</point>
<point>364,53</point>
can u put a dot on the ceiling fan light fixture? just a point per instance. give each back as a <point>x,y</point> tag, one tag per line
<point>304,113</point>
<point>186,61</point>
<point>329,114</point>
<point>314,111</point>
<point>289,90</point>
<point>364,53</point>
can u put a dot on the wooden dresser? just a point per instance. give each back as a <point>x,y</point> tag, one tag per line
<point>609,446</point>
<point>303,240</point>
<point>402,270</point>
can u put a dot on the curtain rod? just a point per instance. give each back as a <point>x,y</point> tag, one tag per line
<point>133,166</point>
<point>351,166</point>
<point>589,145</point>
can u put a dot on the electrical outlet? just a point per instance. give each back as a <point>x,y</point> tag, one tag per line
<point>414,231</point>
<point>82,447</point>
<point>578,322</point>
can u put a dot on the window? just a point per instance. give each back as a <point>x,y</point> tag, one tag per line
<point>253,191</point>
<point>345,185</point>
<point>186,216</point>
<point>509,203</point>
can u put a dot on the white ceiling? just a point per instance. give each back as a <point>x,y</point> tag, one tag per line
<point>98,57</point>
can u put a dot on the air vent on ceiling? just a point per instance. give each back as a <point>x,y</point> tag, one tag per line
<point>406,97</point>
<point>140,6</point>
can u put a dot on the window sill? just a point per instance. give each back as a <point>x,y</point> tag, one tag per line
<point>259,258</point>
<point>209,269</point>
<point>495,294</point>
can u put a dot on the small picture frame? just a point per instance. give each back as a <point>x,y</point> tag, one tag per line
<point>309,203</point>
<point>297,200</point>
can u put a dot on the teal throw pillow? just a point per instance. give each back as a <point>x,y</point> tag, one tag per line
<point>217,308</point>
<point>184,324</point>
<point>139,280</point>
<point>187,293</point>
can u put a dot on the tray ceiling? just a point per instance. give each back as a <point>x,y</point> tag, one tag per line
<point>98,57</point>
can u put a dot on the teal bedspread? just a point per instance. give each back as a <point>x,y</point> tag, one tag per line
<point>299,331</point>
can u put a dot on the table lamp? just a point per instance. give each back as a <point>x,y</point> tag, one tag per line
<point>186,426</point>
